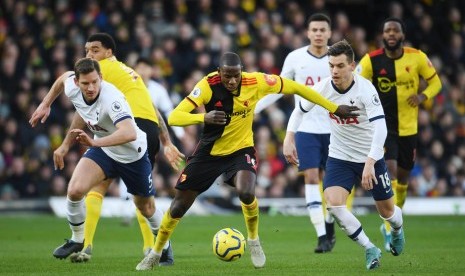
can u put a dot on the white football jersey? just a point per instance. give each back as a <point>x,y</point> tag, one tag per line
<point>351,138</point>
<point>308,70</point>
<point>161,99</point>
<point>102,116</point>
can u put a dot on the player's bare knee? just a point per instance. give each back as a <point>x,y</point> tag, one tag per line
<point>178,210</point>
<point>146,206</point>
<point>246,197</point>
<point>75,192</point>
<point>386,213</point>
<point>146,211</point>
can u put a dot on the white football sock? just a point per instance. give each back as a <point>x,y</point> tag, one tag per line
<point>315,208</point>
<point>350,225</point>
<point>76,214</point>
<point>155,222</point>
<point>395,220</point>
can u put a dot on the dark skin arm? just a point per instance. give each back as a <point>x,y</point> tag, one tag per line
<point>171,152</point>
<point>215,117</point>
<point>346,111</point>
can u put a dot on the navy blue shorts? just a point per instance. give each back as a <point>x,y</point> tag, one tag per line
<point>136,175</point>
<point>312,150</point>
<point>346,174</point>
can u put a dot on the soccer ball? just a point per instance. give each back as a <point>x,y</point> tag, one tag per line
<point>228,244</point>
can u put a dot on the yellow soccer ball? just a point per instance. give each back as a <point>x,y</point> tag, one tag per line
<point>228,244</point>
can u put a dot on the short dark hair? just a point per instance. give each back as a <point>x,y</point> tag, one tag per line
<point>144,61</point>
<point>342,48</point>
<point>106,40</point>
<point>394,19</point>
<point>319,17</point>
<point>230,59</point>
<point>86,66</point>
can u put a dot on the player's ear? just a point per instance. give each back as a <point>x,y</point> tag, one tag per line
<point>108,53</point>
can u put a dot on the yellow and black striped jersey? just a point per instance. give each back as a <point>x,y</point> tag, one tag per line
<point>396,80</point>
<point>237,133</point>
<point>131,84</point>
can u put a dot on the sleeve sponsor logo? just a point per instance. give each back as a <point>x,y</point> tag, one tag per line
<point>270,80</point>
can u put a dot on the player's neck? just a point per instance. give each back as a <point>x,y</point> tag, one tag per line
<point>394,54</point>
<point>317,51</point>
<point>344,86</point>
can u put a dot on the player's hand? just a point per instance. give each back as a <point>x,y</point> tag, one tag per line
<point>41,113</point>
<point>347,111</point>
<point>174,156</point>
<point>215,117</point>
<point>368,175</point>
<point>416,100</point>
<point>290,151</point>
<point>82,137</point>
<point>58,157</point>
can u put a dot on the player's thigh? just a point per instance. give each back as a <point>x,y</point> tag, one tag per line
<point>86,175</point>
<point>311,150</point>
<point>241,170</point>
<point>102,187</point>
<point>342,173</point>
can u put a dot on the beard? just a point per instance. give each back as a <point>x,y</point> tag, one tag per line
<point>396,46</point>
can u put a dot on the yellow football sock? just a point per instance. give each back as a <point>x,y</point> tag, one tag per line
<point>251,218</point>
<point>323,201</point>
<point>350,199</point>
<point>147,234</point>
<point>401,194</point>
<point>168,224</point>
<point>93,208</point>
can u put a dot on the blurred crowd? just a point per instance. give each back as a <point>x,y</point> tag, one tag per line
<point>40,40</point>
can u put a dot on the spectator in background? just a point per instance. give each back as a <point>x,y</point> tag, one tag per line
<point>24,50</point>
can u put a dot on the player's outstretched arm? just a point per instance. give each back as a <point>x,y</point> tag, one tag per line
<point>182,116</point>
<point>43,110</point>
<point>313,97</point>
<point>293,87</point>
<point>266,101</point>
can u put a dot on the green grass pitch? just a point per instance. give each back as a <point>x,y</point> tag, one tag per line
<point>435,245</point>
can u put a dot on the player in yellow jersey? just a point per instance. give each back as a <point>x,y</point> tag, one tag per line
<point>226,146</point>
<point>395,72</point>
<point>101,47</point>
